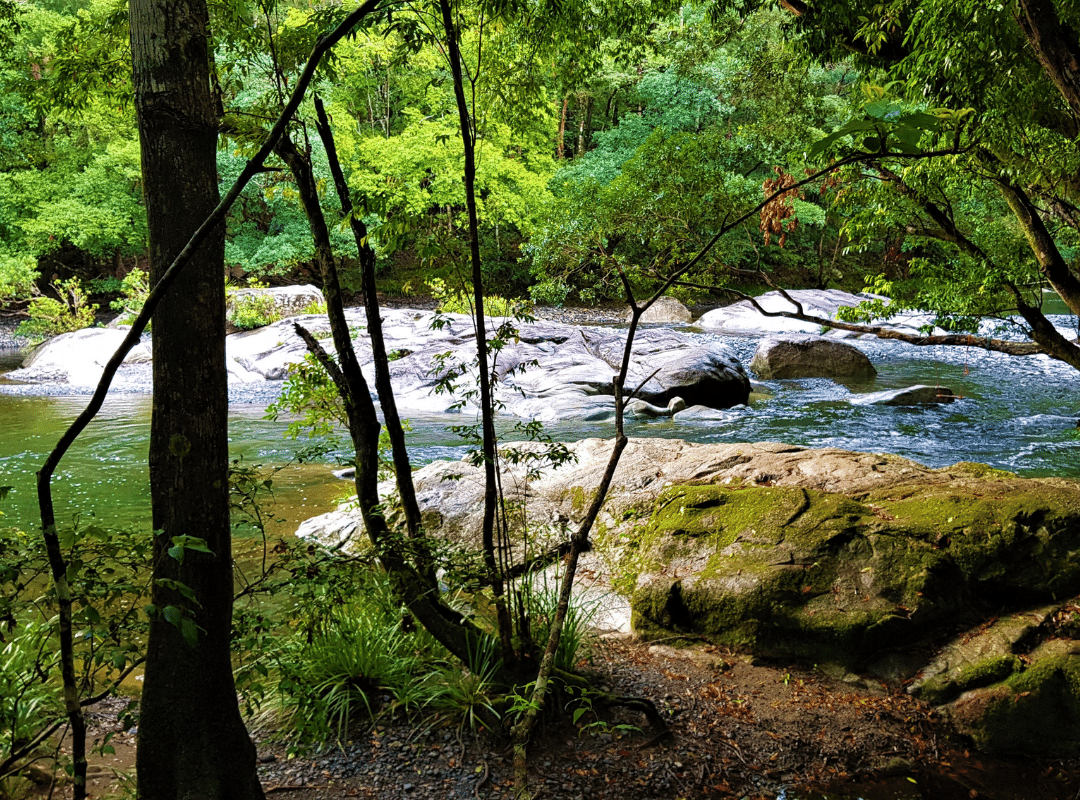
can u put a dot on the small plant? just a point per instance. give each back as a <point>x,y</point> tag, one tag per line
<point>134,289</point>
<point>451,302</point>
<point>466,694</point>
<point>49,317</point>
<point>29,702</point>
<point>314,307</point>
<point>340,664</point>
<point>250,310</point>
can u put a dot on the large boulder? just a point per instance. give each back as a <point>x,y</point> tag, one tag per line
<point>78,358</point>
<point>665,310</point>
<point>804,356</point>
<point>835,557</point>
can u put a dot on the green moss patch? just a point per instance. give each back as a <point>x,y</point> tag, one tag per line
<point>799,573</point>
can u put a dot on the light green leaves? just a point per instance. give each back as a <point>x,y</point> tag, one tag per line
<point>181,544</point>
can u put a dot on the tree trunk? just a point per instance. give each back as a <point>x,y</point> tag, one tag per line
<point>1057,47</point>
<point>560,141</point>
<point>192,742</point>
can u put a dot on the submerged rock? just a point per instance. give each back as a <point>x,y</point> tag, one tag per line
<point>910,396</point>
<point>809,357</point>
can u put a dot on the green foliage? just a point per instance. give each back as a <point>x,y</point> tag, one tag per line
<point>460,302</point>
<point>50,317</point>
<point>29,701</point>
<point>550,292</point>
<point>541,599</point>
<point>309,393</point>
<point>337,673</point>
<point>17,275</point>
<point>716,111</point>
<point>249,309</point>
<point>134,289</point>
<point>466,694</point>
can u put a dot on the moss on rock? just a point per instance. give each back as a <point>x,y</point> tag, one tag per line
<point>795,572</point>
<point>1034,711</point>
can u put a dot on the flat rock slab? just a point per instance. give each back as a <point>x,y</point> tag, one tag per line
<point>78,358</point>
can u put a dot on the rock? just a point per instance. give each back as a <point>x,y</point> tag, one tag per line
<point>665,310</point>
<point>551,372</point>
<point>639,408</point>
<point>980,658</point>
<point>809,357</point>
<point>742,318</point>
<point>846,560</point>
<point>287,301</point>
<point>77,358</point>
<point>911,396</point>
<point>1034,712</point>
<point>706,414</point>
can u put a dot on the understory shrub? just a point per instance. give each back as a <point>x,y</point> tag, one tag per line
<point>250,311</point>
<point>451,302</point>
<point>50,317</point>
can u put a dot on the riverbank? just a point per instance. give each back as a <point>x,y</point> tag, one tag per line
<point>735,729</point>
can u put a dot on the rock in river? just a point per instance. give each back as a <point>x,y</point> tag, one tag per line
<point>910,396</point>
<point>803,356</point>
<point>547,371</point>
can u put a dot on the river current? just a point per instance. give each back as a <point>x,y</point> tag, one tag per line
<point>1019,414</point>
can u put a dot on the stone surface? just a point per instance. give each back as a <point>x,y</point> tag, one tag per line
<point>289,301</point>
<point>910,396</point>
<point>665,310</point>
<point>77,358</point>
<point>832,557</point>
<point>805,356</point>
<point>551,372</point>
<point>742,318</point>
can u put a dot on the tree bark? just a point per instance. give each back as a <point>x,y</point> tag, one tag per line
<point>1056,46</point>
<point>192,741</point>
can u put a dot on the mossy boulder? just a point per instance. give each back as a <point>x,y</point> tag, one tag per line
<point>1034,711</point>
<point>794,572</point>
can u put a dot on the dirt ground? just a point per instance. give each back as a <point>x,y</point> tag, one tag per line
<point>734,730</point>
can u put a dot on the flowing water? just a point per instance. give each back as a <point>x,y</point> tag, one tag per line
<point>1018,414</point>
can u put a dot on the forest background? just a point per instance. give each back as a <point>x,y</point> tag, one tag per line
<point>614,144</point>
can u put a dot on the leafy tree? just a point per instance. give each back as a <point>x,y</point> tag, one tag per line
<point>968,128</point>
<point>70,192</point>
<point>721,105</point>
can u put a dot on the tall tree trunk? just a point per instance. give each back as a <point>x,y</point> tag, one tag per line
<point>560,142</point>
<point>192,742</point>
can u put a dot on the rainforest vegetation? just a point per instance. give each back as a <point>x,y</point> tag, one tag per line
<point>611,151</point>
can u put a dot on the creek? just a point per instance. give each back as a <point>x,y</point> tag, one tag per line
<point>1018,414</point>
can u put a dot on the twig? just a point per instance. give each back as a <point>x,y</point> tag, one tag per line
<point>483,779</point>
